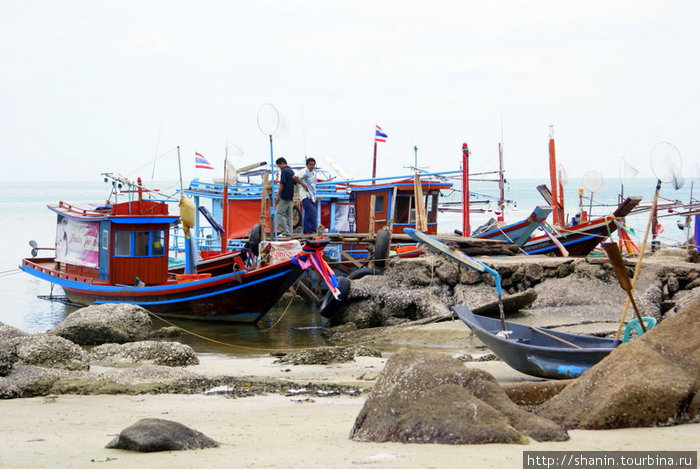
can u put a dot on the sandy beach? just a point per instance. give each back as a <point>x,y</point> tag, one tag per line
<point>293,431</point>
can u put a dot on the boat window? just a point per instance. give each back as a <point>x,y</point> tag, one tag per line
<point>122,243</point>
<point>141,243</point>
<point>432,205</point>
<point>379,204</point>
<point>403,209</point>
<point>157,243</point>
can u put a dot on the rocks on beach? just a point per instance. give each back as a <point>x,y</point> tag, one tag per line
<point>150,351</point>
<point>103,324</point>
<point>429,397</point>
<point>151,434</point>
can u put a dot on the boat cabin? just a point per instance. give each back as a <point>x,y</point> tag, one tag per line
<point>124,243</point>
<point>395,204</point>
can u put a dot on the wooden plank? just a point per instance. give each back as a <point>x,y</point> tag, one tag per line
<point>372,214</point>
<point>348,257</point>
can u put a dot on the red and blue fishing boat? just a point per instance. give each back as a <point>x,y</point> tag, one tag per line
<point>118,253</point>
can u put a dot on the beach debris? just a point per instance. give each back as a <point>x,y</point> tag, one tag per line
<point>430,397</point>
<point>149,351</point>
<point>151,434</point>
<point>106,323</point>
<point>220,390</point>
<point>652,380</point>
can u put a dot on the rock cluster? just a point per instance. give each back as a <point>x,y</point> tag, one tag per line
<point>652,380</point>
<point>433,398</point>
<point>150,351</point>
<point>426,287</point>
<point>327,355</point>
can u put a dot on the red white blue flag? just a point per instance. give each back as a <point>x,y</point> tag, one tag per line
<point>201,162</point>
<point>379,135</point>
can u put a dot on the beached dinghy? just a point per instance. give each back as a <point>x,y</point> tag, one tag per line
<point>536,352</point>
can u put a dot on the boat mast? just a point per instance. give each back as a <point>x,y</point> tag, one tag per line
<point>554,183</point>
<point>465,190</point>
<point>501,186</point>
<point>224,204</point>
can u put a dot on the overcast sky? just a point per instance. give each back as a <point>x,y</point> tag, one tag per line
<point>94,86</point>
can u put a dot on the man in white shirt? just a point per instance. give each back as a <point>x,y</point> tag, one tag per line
<point>307,179</point>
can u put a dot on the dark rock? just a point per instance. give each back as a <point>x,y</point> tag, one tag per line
<point>48,351</point>
<point>170,332</point>
<point>6,360</point>
<point>511,303</point>
<point>564,270</point>
<point>8,332</point>
<point>534,272</point>
<point>103,324</point>
<point>672,285</point>
<point>154,352</point>
<point>447,273</point>
<point>649,381</point>
<point>433,398</point>
<point>149,435</point>
<point>470,277</point>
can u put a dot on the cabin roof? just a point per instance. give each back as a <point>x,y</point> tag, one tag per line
<point>135,211</point>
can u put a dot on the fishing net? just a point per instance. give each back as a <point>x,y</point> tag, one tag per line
<point>666,164</point>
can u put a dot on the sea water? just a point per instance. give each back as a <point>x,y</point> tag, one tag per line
<point>25,217</point>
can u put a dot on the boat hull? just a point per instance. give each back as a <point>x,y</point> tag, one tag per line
<point>534,353</point>
<point>244,296</point>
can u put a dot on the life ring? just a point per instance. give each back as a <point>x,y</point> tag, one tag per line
<point>381,248</point>
<point>254,240</point>
<point>330,304</point>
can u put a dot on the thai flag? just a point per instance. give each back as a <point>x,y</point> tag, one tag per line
<point>379,135</point>
<point>201,162</point>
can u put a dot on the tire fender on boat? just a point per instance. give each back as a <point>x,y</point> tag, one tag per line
<point>381,248</point>
<point>254,240</point>
<point>330,304</point>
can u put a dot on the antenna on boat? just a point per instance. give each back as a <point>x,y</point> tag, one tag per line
<point>269,122</point>
<point>179,167</point>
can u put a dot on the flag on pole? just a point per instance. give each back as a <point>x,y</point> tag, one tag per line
<point>379,135</point>
<point>201,162</point>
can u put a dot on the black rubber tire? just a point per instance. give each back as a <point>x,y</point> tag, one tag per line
<point>254,240</point>
<point>331,305</point>
<point>381,248</point>
<point>362,272</point>
<point>296,217</point>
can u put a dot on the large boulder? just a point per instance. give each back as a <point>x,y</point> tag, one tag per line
<point>29,381</point>
<point>652,380</point>
<point>107,323</point>
<point>149,435</point>
<point>8,332</point>
<point>429,397</point>
<point>150,351</point>
<point>48,351</point>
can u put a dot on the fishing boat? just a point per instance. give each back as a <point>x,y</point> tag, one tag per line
<point>534,351</point>
<point>580,240</point>
<point>518,233</point>
<point>118,253</point>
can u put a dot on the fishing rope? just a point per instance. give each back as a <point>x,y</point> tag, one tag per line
<point>294,293</point>
<point>243,347</point>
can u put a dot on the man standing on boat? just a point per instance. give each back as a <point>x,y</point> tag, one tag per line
<point>284,197</point>
<point>307,179</point>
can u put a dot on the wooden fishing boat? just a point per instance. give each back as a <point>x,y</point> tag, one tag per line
<point>536,352</point>
<point>518,233</point>
<point>118,253</point>
<point>580,240</point>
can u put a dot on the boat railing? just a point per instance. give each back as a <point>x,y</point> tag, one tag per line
<point>96,212</point>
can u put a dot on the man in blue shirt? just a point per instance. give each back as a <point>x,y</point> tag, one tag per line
<point>307,179</point>
<point>284,197</point>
